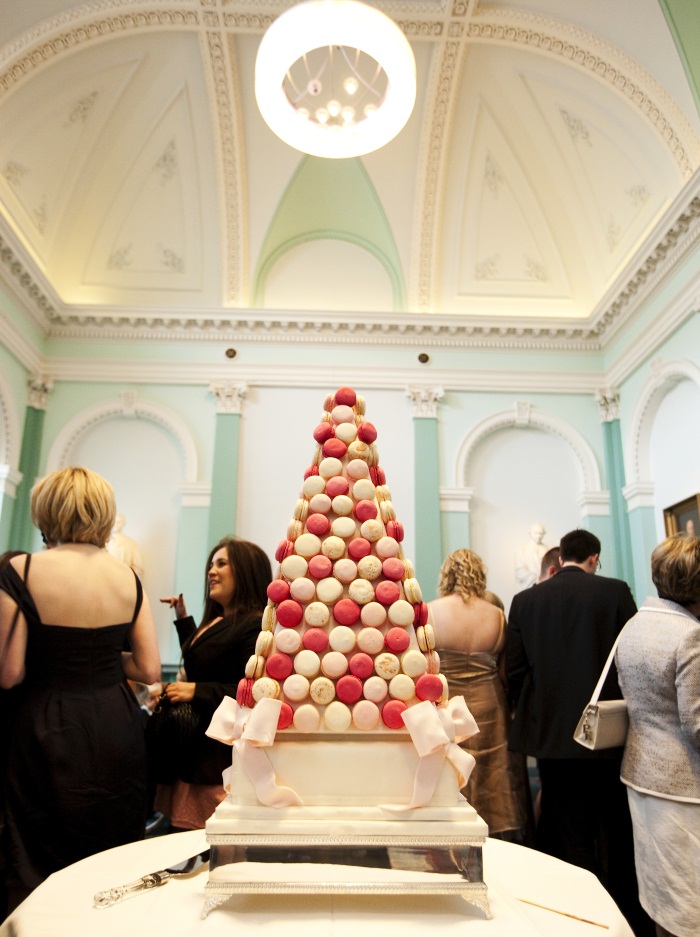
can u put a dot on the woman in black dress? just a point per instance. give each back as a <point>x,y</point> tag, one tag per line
<point>76,779</point>
<point>214,656</point>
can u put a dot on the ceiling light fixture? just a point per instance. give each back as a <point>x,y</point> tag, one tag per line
<point>335,78</point>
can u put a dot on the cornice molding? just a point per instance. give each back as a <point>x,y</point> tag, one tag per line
<point>206,373</point>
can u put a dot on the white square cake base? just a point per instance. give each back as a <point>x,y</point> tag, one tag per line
<point>343,839</point>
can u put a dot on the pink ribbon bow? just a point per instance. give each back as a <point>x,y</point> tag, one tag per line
<point>249,731</point>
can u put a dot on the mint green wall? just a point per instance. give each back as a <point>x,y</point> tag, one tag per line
<point>224,486</point>
<point>427,504</point>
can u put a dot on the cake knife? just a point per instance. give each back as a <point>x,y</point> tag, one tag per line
<point>104,899</point>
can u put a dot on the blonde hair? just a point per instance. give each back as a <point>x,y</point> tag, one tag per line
<point>675,569</point>
<point>462,572</point>
<point>74,505</point>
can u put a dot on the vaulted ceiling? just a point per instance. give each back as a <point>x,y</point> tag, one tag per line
<point>551,153</point>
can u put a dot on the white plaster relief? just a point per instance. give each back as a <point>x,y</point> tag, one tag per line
<point>9,426</point>
<point>425,400</point>
<point>38,392</point>
<point>608,401</point>
<point>229,396</point>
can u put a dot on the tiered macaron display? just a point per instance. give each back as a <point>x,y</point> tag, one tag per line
<point>345,641</point>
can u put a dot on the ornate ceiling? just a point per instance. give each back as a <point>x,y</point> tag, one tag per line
<point>542,181</point>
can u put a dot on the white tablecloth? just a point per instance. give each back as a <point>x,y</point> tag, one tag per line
<point>62,906</point>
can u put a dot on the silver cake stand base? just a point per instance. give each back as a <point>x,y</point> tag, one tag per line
<point>345,865</point>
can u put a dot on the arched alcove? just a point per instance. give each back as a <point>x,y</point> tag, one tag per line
<point>523,467</point>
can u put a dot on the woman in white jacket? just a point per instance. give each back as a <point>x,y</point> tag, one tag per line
<point>658,662</point>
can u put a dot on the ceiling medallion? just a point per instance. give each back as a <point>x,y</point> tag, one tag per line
<point>335,78</point>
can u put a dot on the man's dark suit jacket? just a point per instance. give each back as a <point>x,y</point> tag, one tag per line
<point>559,636</point>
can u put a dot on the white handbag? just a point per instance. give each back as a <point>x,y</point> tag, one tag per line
<point>603,723</point>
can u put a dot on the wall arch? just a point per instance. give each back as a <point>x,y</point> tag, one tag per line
<point>663,378</point>
<point>523,415</point>
<point>9,426</point>
<point>127,406</point>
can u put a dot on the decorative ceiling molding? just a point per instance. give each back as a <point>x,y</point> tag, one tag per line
<point>263,375</point>
<point>602,60</point>
<point>394,329</point>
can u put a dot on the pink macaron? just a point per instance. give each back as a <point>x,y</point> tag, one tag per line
<point>279,666</point>
<point>278,590</point>
<point>315,639</point>
<point>346,612</point>
<point>244,692</point>
<point>376,473</point>
<point>361,665</point>
<point>429,687</point>
<point>365,510</point>
<point>367,432</point>
<point>395,529</point>
<point>312,470</point>
<point>320,566</point>
<point>387,592</point>
<point>334,448</point>
<point>346,396</point>
<point>341,413</point>
<point>349,689</point>
<point>318,524</point>
<point>391,714</point>
<point>289,613</point>
<point>286,717</point>
<point>420,614</point>
<point>397,640</point>
<point>358,548</point>
<point>393,568</point>
<point>337,485</point>
<point>284,549</point>
<point>323,432</point>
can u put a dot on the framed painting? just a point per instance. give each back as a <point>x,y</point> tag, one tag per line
<point>683,517</point>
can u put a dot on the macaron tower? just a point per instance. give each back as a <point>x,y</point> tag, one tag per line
<point>342,730</point>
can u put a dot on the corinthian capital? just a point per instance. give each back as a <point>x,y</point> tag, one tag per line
<point>608,404</point>
<point>38,390</point>
<point>425,400</point>
<point>229,396</point>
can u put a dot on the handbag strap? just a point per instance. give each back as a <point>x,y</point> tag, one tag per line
<point>604,674</point>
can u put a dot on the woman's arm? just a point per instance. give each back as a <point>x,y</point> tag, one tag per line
<point>13,643</point>
<point>142,663</point>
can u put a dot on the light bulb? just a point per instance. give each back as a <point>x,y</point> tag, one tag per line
<point>370,110</point>
<point>322,115</point>
<point>303,113</point>
<point>333,108</point>
<point>348,114</point>
<point>314,87</point>
<point>350,84</point>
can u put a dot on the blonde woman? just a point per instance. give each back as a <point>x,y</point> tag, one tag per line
<point>76,779</point>
<point>470,638</point>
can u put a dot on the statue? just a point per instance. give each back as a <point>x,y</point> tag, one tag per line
<point>529,557</point>
<point>124,548</point>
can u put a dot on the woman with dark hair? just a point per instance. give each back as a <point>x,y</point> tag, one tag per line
<point>658,664</point>
<point>214,656</point>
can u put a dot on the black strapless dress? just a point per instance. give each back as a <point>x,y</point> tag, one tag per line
<point>76,762</point>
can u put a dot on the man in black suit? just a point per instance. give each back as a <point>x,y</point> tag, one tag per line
<point>560,632</point>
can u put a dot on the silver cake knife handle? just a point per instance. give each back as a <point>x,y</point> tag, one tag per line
<point>105,899</point>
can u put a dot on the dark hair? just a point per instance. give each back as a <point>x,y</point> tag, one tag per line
<point>675,569</point>
<point>551,558</point>
<point>578,545</point>
<point>252,574</point>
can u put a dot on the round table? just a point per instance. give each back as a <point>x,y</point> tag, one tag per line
<point>62,906</point>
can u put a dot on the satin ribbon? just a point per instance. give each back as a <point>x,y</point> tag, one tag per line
<point>249,731</point>
<point>436,733</point>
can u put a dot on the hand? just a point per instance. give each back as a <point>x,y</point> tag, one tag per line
<point>180,692</point>
<point>178,603</point>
